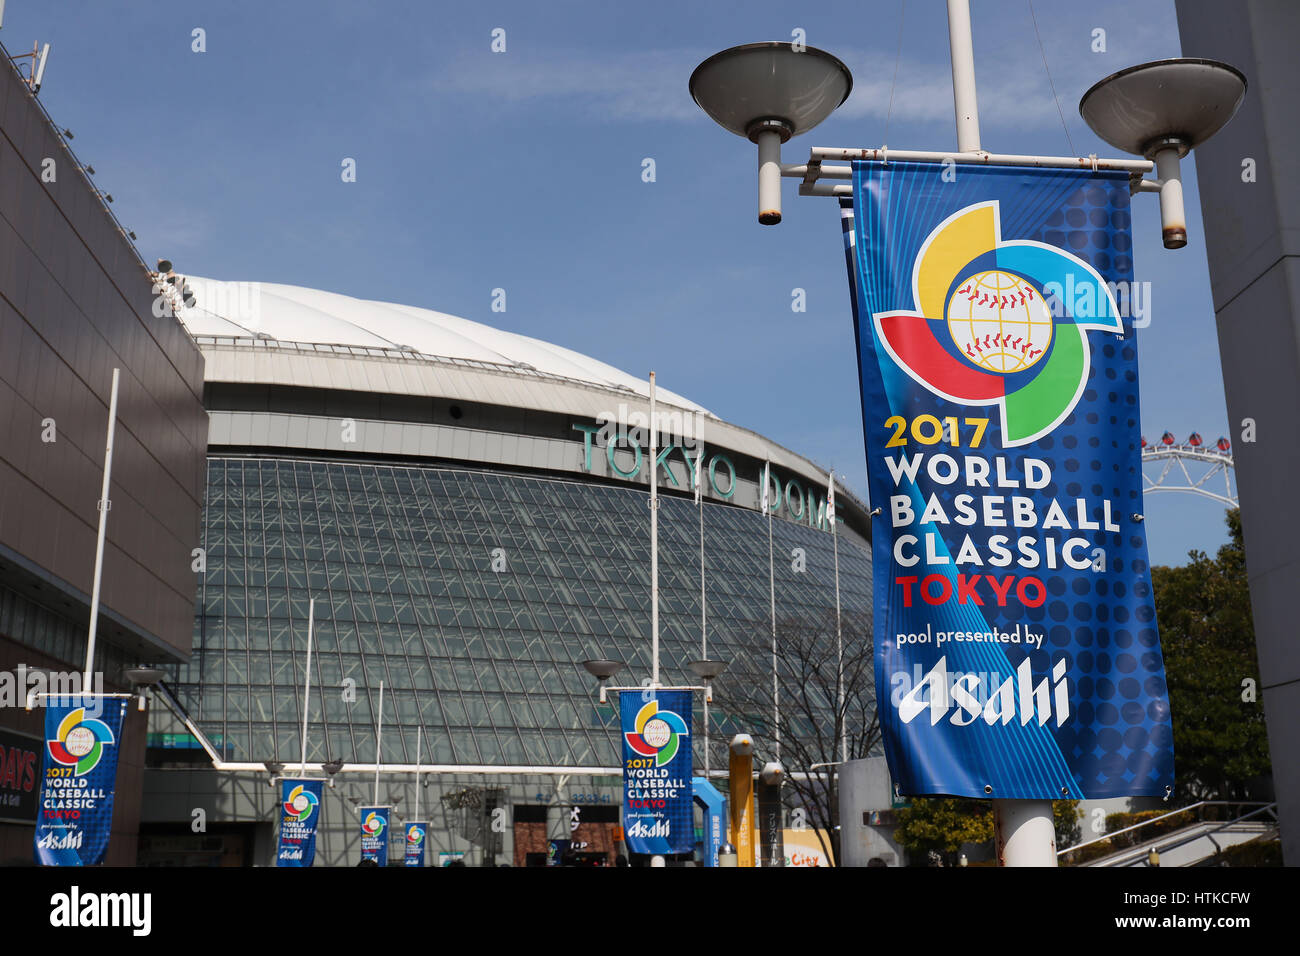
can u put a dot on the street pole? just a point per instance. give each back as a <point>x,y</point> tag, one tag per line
<point>704,632</point>
<point>1026,834</point>
<point>839,632</point>
<point>419,729</point>
<point>104,505</point>
<point>306,691</point>
<point>771,584</point>
<point>965,102</point>
<point>654,541</point>
<point>379,741</point>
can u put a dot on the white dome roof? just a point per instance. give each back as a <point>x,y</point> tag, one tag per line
<point>290,313</point>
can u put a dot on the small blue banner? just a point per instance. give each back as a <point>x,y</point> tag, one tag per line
<point>658,812</point>
<point>374,834</point>
<point>415,834</point>
<point>300,810</point>
<point>83,735</point>
<point>1017,654</point>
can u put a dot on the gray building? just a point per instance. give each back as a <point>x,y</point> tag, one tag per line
<point>467,508</point>
<point>1250,199</point>
<point>76,301</point>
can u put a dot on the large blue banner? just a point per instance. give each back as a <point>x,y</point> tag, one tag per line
<point>658,812</point>
<point>415,833</point>
<point>374,834</point>
<point>1016,646</point>
<point>83,736</point>
<point>300,810</point>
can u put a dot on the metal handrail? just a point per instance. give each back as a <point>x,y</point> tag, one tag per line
<point>1261,804</point>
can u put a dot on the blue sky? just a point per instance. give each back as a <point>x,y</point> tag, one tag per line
<point>522,170</point>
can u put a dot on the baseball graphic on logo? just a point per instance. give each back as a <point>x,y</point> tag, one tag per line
<point>80,741</point>
<point>1000,322</point>
<point>656,733</point>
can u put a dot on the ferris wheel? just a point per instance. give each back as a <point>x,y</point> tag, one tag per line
<point>1189,466</point>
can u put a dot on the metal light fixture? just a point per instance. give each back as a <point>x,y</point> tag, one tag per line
<point>602,669</point>
<point>707,671</point>
<point>769,92</point>
<point>1161,110</point>
<point>143,676</point>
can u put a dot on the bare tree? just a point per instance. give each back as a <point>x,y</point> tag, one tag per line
<point>827,706</point>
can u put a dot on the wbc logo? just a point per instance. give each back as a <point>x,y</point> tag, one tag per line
<point>658,733</point>
<point>982,331</point>
<point>80,741</point>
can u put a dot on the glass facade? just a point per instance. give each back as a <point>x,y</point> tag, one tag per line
<point>474,596</point>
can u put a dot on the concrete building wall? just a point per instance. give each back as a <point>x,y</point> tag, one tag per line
<point>1252,225</point>
<point>75,302</point>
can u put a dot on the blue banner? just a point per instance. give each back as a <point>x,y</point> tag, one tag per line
<point>83,735</point>
<point>374,834</point>
<point>300,810</point>
<point>415,834</point>
<point>658,813</point>
<point>1016,646</point>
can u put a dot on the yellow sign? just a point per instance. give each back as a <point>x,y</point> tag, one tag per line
<point>741,807</point>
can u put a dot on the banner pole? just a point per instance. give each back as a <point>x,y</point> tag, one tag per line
<point>104,505</point>
<point>654,540</point>
<point>379,741</point>
<point>704,631</point>
<point>306,692</point>
<point>839,632</point>
<point>964,99</point>
<point>419,729</point>
<point>771,584</point>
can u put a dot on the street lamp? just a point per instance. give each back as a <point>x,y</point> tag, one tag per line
<point>1161,110</point>
<point>602,669</point>
<point>768,92</point>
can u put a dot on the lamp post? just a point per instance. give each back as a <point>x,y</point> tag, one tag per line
<point>769,92</point>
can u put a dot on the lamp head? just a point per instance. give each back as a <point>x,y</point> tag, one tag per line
<point>1184,100</point>
<point>707,670</point>
<point>602,669</point>
<point>768,92</point>
<point>791,88</point>
<point>143,676</point>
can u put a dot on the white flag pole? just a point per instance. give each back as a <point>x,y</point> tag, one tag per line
<point>654,540</point>
<point>704,632</point>
<point>306,688</point>
<point>104,504</point>
<point>771,582</point>
<point>419,729</point>
<point>379,741</point>
<point>839,633</point>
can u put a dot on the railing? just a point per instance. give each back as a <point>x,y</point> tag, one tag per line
<point>1260,805</point>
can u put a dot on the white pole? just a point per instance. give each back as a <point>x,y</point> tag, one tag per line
<point>306,690</point>
<point>1025,833</point>
<point>839,633</point>
<point>965,102</point>
<point>419,729</point>
<point>379,741</point>
<point>1173,220</point>
<point>654,541</point>
<point>771,583</point>
<point>704,632</point>
<point>1022,821</point>
<point>769,177</point>
<point>104,505</point>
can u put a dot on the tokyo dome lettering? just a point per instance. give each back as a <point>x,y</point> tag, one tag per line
<point>626,456</point>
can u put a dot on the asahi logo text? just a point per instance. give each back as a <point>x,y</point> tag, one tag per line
<point>974,696</point>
